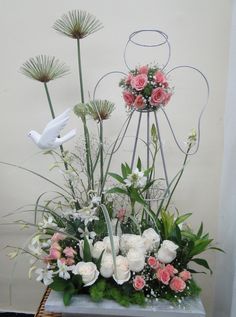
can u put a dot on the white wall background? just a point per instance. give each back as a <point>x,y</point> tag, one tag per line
<point>199,34</point>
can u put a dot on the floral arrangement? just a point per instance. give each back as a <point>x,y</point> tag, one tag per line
<point>109,237</point>
<point>146,88</point>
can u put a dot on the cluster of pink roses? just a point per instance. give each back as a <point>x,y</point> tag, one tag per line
<point>56,252</point>
<point>167,274</point>
<point>146,87</point>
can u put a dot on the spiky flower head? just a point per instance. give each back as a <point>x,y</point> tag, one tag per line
<point>44,68</point>
<point>100,110</point>
<point>81,110</point>
<point>77,24</point>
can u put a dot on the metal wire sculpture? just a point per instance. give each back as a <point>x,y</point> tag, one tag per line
<point>148,111</point>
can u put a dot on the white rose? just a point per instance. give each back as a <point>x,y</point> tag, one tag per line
<point>116,241</point>
<point>122,270</point>
<point>167,251</point>
<point>151,239</point>
<point>131,241</point>
<point>81,247</point>
<point>88,272</point>
<point>136,260</point>
<point>97,249</point>
<point>107,267</point>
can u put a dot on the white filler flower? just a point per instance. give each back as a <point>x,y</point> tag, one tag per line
<point>45,276</point>
<point>136,179</point>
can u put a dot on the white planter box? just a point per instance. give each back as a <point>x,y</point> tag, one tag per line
<point>83,306</point>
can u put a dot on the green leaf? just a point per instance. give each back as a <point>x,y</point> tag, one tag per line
<point>176,234</point>
<point>200,230</point>
<point>58,284</point>
<point>200,246</point>
<point>128,169</point>
<point>147,171</point>
<point>136,197</point>
<point>110,233</point>
<point>188,234</point>
<point>124,172</point>
<point>117,177</point>
<point>77,281</point>
<point>182,218</point>
<point>139,164</point>
<point>68,293</point>
<point>202,262</point>
<point>99,260</point>
<point>154,133</point>
<point>117,190</point>
<point>217,249</point>
<point>87,252</point>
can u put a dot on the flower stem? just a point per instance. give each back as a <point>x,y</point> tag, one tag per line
<point>101,154</point>
<point>80,71</point>
<point>61,147</point>
<point>49,100</point>
<point>178,179</point>
<point>86,133</point>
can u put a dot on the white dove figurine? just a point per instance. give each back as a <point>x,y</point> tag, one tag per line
<point>49,139</point>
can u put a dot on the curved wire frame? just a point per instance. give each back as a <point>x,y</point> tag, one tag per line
<point>134,34</point>
<point>115,147</point>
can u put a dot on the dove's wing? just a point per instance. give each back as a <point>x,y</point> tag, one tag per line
<point>59,118</point>
<point>51,132</point>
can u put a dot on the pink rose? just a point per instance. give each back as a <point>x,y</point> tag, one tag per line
<point>57,237</point>
<point>139,82</point>
<point>185,275</point>
<point>69,252</point>
<point>139,103</point>
<point>121,214</point>
<point>159,77</point>
<point>143,70</point>
<point>177,284</point>
<point>69,261</point>
<point>63,261</point>
<point>128,97</point>
<point>158,96</point>
<point>54,254</point>
<point>138,283</point>
<point>56,246</point>
<point>167,98</point>
<point>170,268</point>
<point>128,79</point>
<point>152,262</point>
<point>163,275</point>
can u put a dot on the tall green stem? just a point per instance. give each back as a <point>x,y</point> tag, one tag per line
<point>178,179</point>
<point>101,153</point>
<point>61,147</point>
<point>49,100</point>
<point>80,71</point>
<point>86,133</point>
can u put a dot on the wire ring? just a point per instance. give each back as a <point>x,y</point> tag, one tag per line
<point>131,40</point>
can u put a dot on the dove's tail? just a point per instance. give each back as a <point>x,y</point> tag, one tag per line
<point>67,137</point>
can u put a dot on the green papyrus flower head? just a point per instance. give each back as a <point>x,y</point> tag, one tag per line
<point>77,24</point>
<point>44,68</point>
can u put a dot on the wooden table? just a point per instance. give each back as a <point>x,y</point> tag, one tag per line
<point>41,310</point>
